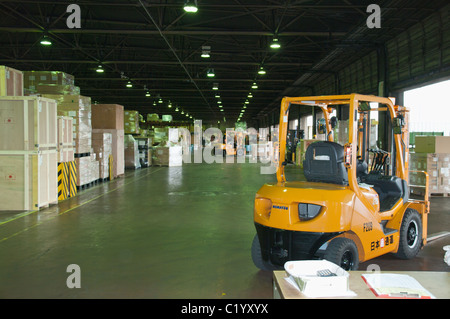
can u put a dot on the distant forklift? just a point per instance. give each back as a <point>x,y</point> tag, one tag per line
<point>346,211</point>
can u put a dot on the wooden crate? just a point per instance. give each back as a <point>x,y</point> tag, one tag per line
<point>11,81</point>
<point>27,123</point>
<point>28,180</point>
<point>65,139</point>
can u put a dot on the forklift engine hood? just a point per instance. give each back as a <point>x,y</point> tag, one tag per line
<point>305,207</point>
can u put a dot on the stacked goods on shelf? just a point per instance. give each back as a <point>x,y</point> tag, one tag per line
<point>131,122</point>
<point>131,152</point>
<point>109,118</point>
<point>432,155</point>
<point>11,81</point>
<point>102,146</point>
<point>170,151</point>
<point>28,152</point>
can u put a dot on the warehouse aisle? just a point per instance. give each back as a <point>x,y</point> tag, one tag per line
<point>179,232</point>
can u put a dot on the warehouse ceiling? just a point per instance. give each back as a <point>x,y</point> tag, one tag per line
<point>157,46</point>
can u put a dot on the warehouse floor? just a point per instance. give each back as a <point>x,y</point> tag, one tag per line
<point>179,232</point>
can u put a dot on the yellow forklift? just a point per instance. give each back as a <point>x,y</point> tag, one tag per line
<point>355,203</point>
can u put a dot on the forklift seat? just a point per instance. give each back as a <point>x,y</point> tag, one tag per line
<point>324,162</point>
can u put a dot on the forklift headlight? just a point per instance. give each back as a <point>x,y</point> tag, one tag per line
<point>308,211</point>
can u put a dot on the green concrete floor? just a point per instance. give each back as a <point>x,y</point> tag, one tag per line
<point>179,232</point>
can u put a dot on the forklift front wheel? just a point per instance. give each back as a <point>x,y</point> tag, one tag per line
<point>257,256</point>
<point>343,252</point>
<point>410,235</point>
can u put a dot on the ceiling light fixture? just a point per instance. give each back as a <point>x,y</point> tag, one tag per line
<point>210,73</point>
<point>129,85</point>
<point>250,95</point>
<point>100,69</point>
<point>46,40</point>
<point>275,44</point>
<point>215,86</point>
<point>190,6</point>
<point>254,85</point>
<point>148,94</point>
<point>206,50</point>
<point>261,71</point>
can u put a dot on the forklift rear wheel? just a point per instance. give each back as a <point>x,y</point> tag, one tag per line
<point>257,256</point>
<point>343,252</point>
<point>410,235</point>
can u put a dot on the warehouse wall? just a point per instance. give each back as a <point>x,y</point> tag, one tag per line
<point>416,56</point>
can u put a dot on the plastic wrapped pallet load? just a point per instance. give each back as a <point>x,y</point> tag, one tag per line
<point>102,146</point>
<point>131,122</point>
<point>168,156</point>
<point>78,107</point>
<point>437,165</point>
<point>117,150</point>
<point>131,152</point>
<point>153,117</point>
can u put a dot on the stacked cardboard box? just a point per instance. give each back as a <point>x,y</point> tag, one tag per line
<point>131,122</point>
<point>107,116</point>
<point>28,156</point>
<point>432,156</point>
<point>11,81</point>
<point>102,146</point>
<point>131,153</point>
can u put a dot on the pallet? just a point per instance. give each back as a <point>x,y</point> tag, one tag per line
<point>440,194</point>
<point>78,155</point>
<point>88,185</point>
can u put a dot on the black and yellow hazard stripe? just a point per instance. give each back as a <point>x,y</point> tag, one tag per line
<point>63,181</point>
<point>72,179</point>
